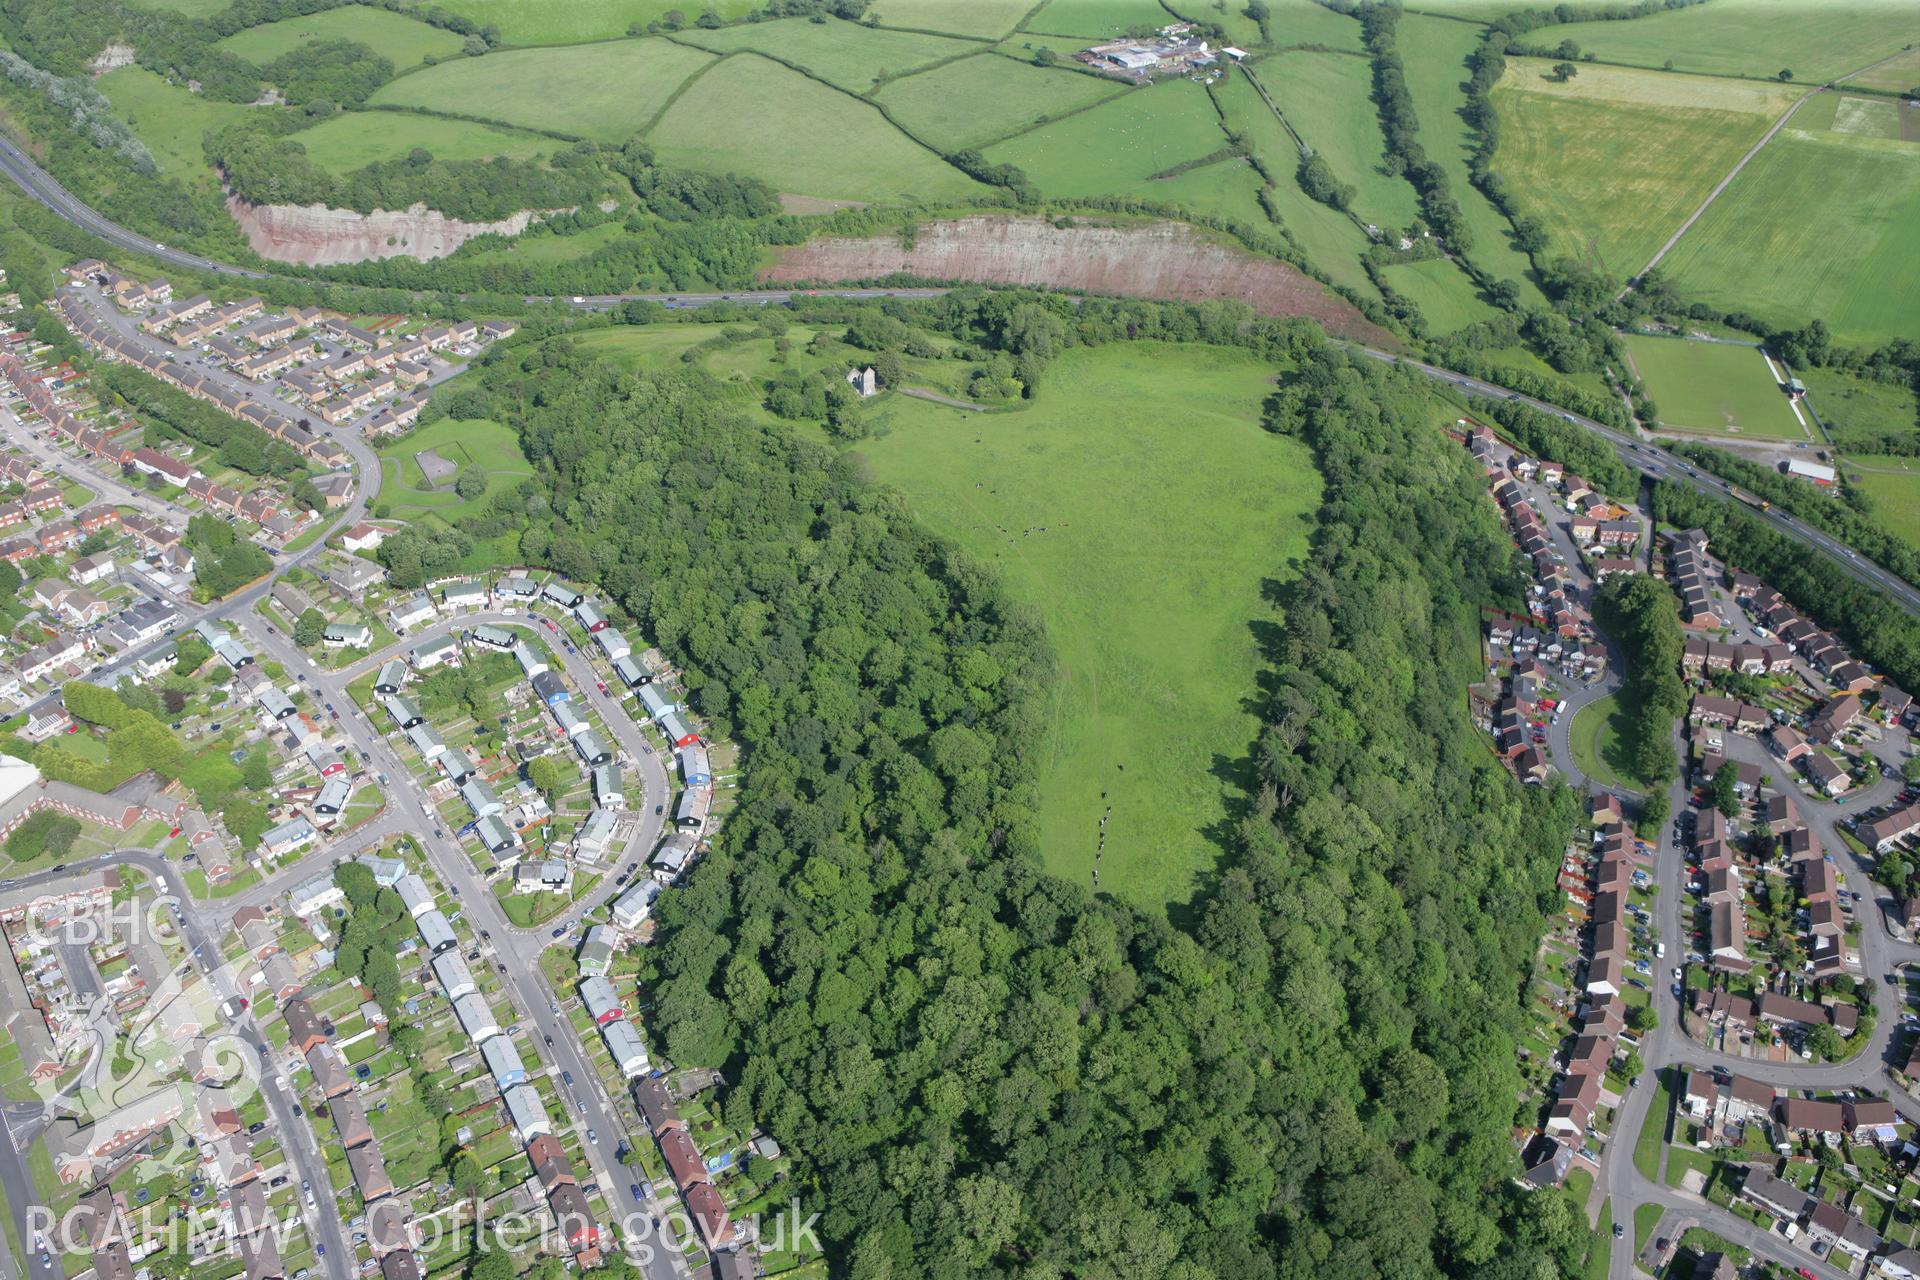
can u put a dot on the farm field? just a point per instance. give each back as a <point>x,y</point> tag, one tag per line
<point>403,41</point>
<point>1819,225</point>
<point>1435,52</point>
<point>354,139</point>
<point>1137,488</point>
<point>1328,99</point>
<point>611,91</point>
<point>842,53</point>
<point>1328,237</point>
<point>1897,76</point>
<point>1712,387</point>
<point>1446,296</point>
<point>169,119</point>
<point>1293,23</point>
<point>1859,413</point>
<point>1229,188</point>
<point>982,19</point>
<point>1893,483</point>
<point>530,22</point>
<point>1097,19</point>
<point>1003,97</point>
<point>1118,143</point>
<point>1756,38</point>
<point>811,140</point>
<point>1662,152</point>
<point>480,442</point>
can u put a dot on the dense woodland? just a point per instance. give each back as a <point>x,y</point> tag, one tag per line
<point>982,1068</point>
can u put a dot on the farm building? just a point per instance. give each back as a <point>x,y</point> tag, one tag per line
<point>1814,471</point>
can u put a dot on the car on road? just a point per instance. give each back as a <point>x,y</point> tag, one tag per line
<point>320,1251</point>
<point>659,808</point>
<point>557,932</point>
<point>592,1137</point>
<point>46,1259</point>
<point>633,1189</point>
<point>566,1077</point>
<point>1619,1229</point>
<point>549,1040</point>
<point>602,684</point>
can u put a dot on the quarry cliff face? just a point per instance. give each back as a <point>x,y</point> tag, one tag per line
<point>314,235</point>
<point>1136,259</point>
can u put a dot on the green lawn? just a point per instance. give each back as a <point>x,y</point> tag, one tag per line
<point>1097,19</point>
<point>1645,1218</point>
<point>1757,38</point>
<point>1821,224</point>
<point>1600,1248</point>
<point>806,138</point>
<point>1860,414</point>
<point>1662,141</point>
<point>1328,98</point>
<point>1653,1133</point>
<point>1328,237</point>
<point>1118,143</point>
<point>1445,294</point>
<point>842,53</point>
<point>611,91</point>
<point>471,442</point>
<point>1142,531</point>
<point>169,119</point>
<point>401,40</point>
<point>525,22</point>
<point>1003,97</point>
<point>982,19</point>
<point>1712,387</point>
<point>1435,52</point>
<point>1893,484</point>
<point>354,139</point>
<point>1598,748</point>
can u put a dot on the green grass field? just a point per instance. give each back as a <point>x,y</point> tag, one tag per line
<point>1443,292</point>
<point>1856,410</point>
<point>1118,143</point>
<point>1660,153</point>
<point>478,442</point>
<point>401,40</point>
<point>842,53</point>
<point>169,119</point>
<point>1328,237</point>
<point>807,139</point>
<point>1003,97</point>
<point>1893,484</point>
<point>1435,52</point>
<point>1328,98</point>
<point>606,91</point>
<point>1293,23</point>
<point>983,19</point>
<point>1712,387</point>
<point>1226,189</point>
<point>353,139</point>
<point>1097,19</point>
<point>1164,506</point>
<point>1896,76</point>
<point>524,22</point>
<point>1598,748</point>
<point>1820,224</point>
<point>1757,38</point>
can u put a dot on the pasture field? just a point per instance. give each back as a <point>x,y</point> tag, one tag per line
<point>1857,411</point>
<point>1118,143</point>
<point>401,40</point>
<point>1097,20</point>
<point>1328,97</point>
<point>842,53</point>
<point>354,139</point>
<point>981,19</point>
<point>1136,489</point>
<point>1292,22</point>
<point>1003,97</point>
<point>1328,237</point>
<point>1755,38</point>
<point>1859,116</point>
<point>532,22</point>
<point>1893,483</point>
<point>1712,387</point>
<point>1435,52</point>
<point>1820,224</point>
<point>805,138</point>
<point>1660,153</point>
<point>1226,189</point>
<point>1896,76</point>
<point>1446,296</point>
<point>169,119</point>
<point>607,92</point>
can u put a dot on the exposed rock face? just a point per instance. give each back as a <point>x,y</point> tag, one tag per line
<point>112,57</point>
<point>1136,260</point>
<point>314,235</point>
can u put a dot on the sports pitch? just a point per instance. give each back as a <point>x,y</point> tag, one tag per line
<point>1713,388</point>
